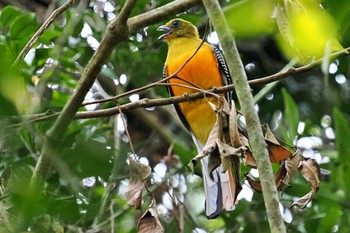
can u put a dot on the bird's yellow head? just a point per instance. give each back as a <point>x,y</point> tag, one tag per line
<point>177,28</point>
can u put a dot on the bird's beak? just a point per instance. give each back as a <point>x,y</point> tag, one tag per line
<point>166,29</point>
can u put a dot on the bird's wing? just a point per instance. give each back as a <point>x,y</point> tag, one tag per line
<point>178,111</point>
<point>225,73</point>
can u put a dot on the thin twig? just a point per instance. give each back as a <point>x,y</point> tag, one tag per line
<point>116,32</point>
<point>220,90</point>
<point>42,29</point>
<point>172,76</point>
<point>127,133</point>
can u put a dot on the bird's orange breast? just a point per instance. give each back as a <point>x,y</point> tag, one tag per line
<point>202,70</point>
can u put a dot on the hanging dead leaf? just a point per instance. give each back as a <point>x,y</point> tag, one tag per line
<point>310,170</point>
<point>256,185</point>
<point>138,174</point>
<point>236,137</point>
<point>291,164</point>
<point>210,145</point>
<point>214,161</point>
<point>268,135</point>
<point>248,159</point>
<point>149,221</point>
<point>235,161</point>
<point>226,151</point>
<point>303,201</point>
<point>277,152</point>
<point>280,174</point>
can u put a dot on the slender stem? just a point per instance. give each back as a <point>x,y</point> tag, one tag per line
<point>245,98</point>
<point>42,29</point>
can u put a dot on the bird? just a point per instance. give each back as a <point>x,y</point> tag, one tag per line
<point>205,68</point>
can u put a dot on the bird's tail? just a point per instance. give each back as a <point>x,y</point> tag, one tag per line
<point>220,189</point>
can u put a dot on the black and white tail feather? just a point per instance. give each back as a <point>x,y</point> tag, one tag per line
<point>219,192</point>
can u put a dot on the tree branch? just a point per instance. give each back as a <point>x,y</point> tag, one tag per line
<point>117,31</point>
<point>42,29</point>
<point>147,103</point>
<point>245,98</point>
<point>160,13</point>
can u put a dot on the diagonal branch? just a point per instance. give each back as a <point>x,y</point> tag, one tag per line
<point>42,29</point>
<point>116,32</point>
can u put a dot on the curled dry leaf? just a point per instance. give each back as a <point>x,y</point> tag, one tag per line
<point>277,152</point>
<point>310,170</point>
<point>268,135</point>
<point>237,139</point>
<point>303,201</point>
<point>226,151</point>
<point>149,221</point>
<point>138,174</point>
<point>248,159</point>
<point>210,145</point>
<point>256,185</point>
<point>291,165</point>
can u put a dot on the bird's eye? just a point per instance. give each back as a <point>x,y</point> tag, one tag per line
<point>175,24</point>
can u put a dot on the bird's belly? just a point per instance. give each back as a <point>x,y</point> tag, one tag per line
<point>200,117</point>
<point>201,72</point>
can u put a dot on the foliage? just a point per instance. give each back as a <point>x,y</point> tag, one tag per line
<point>87,181</point>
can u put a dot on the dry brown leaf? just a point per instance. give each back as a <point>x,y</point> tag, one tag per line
<point>210,145</point>
<point>226,151</point>
<point>303,201</point>
<point>268,135</point>
<point>149,221</point>
<point>248,159</point>
<point>280,174</point>
<point>236,163</point>
<point>310,170</point>
<point>291,164</point>
<point>277,152</point>
<point>138,174</point>
<point>254,184</point>
<point>237,139</point>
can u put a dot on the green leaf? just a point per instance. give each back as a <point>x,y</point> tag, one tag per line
<point>327,223</point>
<point>342,136</point>
<point>23,26</point>
<point>291,116</point>
<point>255,14</point>
<point>49,35</point>
<point>8,15</point>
